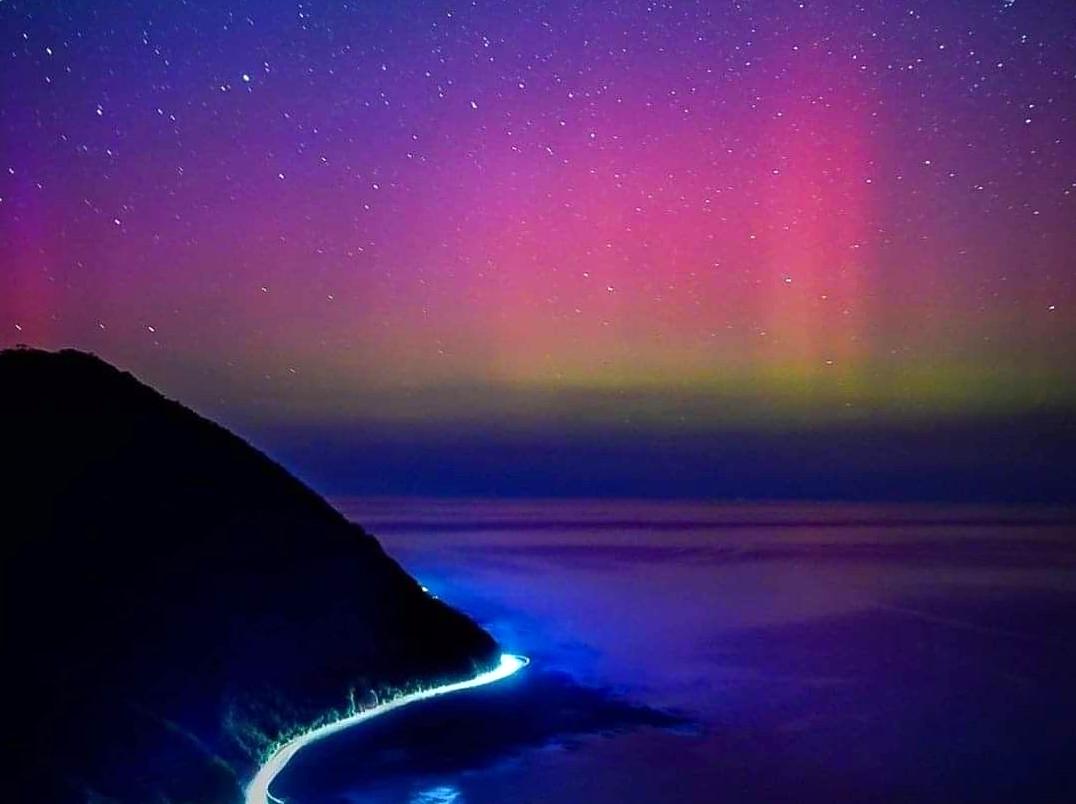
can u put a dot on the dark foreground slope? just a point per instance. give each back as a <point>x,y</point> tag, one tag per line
<point>174,600</point>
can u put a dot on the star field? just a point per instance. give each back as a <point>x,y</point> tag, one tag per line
<point>668,212</point>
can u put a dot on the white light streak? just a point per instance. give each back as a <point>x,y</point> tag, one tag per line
<point>258,789</point>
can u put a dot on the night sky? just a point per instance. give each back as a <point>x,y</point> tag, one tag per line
<point>553,247</point>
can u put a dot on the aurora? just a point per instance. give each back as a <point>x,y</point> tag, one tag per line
<point>720,354</point>
<point>377,225</point>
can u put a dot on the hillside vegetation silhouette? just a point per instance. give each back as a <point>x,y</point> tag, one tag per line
<point>175,601</point>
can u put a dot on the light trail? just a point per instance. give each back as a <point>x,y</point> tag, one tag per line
<point>258,789</point>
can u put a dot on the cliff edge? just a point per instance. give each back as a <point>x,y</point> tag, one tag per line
<point>175,601</point>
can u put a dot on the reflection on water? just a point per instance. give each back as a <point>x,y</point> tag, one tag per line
<point>442,794</point>
<point>688,653</point>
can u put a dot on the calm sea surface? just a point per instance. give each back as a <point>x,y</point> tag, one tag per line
<point>703,653</point>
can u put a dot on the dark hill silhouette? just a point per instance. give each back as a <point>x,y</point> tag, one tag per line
<point>174,599</point>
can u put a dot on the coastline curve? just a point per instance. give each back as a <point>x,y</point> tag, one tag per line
<point>257,791</point>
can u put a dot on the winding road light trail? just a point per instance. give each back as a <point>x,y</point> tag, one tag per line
<point>258,789</point>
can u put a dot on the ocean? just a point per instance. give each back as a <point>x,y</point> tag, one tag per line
<point>692,652</point>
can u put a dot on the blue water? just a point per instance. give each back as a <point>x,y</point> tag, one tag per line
<point>703,653</point>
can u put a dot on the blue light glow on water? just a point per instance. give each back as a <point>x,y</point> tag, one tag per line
<point>442,794</point>
<point>815,653</point>
<point>258,789</point>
